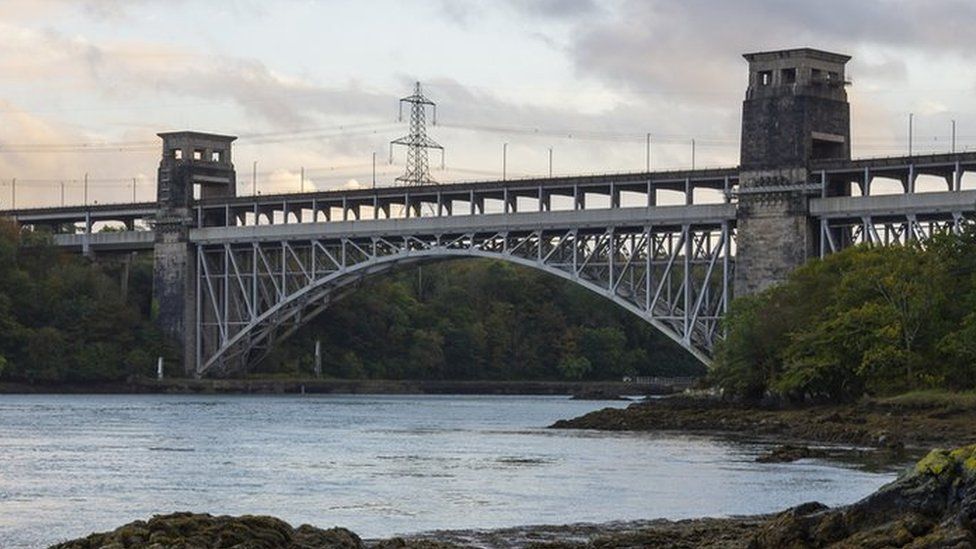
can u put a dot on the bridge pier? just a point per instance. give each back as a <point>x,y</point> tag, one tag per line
<point>189,159</point>
<point>795,113</point>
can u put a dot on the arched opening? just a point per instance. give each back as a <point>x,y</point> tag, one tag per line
<point>475,319</point>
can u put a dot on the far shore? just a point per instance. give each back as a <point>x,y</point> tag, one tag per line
<point>590,390</point>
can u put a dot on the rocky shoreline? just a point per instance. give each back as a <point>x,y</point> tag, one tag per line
<point>931,505</point>
<point>878,424</point>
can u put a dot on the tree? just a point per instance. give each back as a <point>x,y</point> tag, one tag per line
<point>863,320</point>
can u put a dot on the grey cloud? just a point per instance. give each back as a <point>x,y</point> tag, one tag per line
<point>692,46</point>
<point>460,12</point>
<point>557,9</point>
<point>889,70</point>
<point>465,11</point>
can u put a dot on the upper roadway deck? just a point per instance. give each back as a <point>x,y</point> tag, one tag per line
<point>529,203</point>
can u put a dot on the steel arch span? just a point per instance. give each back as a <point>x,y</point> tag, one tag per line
<point>251,295</point>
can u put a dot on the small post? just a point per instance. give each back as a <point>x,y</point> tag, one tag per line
<point>693,154</point>
<point>303,180</point>
<point>647,163</point>
<point>911,132</point>
<point>550,162</point>
<point>374,169</point>
<point>133,190</point>
<point>159,368</point>
<point>953,137</point>
<point>318,358</point>
<point>254,178</point>
<point>62,194</point>
<point>86,188</point>
<point>504,161</point>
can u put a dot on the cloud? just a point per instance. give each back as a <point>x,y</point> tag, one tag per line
<point>98,10</point>
<point>692,46</point>
<point>671,68</point>
<point>467,12</point>
<point>557,9</point>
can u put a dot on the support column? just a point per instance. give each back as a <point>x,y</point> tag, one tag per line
<point>189,159</point>
<point>786,127</point>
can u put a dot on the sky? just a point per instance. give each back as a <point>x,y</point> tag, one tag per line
<point>87,84</point>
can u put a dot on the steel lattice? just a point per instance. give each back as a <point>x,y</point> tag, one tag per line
<point>255,294</point>
<point>887,230</point>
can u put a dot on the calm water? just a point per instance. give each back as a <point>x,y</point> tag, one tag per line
<point>379,465</point>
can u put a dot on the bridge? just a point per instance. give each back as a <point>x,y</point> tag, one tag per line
<point>236,274</point>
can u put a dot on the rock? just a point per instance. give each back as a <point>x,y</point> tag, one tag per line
<point>931,505</point>
<point>189,530</point>
<point>787,453</point>
<point>597,394</point>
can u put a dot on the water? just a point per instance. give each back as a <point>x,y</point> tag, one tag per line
<point>380,465</point>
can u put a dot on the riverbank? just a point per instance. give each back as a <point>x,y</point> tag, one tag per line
<point>596,390</point>
<point>919,422</point>
<point>933,504</point>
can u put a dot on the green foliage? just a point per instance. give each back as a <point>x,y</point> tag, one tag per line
<point>876,321</point>
<point>575,367</point>
<point>63,319</point>
<point>477,319</point>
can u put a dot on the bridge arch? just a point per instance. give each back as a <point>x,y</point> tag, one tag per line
<point>253,295</point>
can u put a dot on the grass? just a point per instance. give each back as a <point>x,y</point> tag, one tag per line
<point>932,398</point>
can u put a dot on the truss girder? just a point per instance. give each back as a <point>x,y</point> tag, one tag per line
<point>250,295</point>
<point>887,230</point>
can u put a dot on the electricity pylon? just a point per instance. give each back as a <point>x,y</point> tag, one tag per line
<point>417,142</point>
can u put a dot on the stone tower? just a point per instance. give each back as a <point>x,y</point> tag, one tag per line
<point>795,113</point>
<point>190,159</point>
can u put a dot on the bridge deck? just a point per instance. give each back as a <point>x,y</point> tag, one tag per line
<point>919,205</point>
<point>596,220</point>
<point>122,241</point>
<point>353,202</point>
<point>530,204</point>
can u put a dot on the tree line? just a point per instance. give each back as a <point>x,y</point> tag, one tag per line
<point>867,320</point>
<point>65,319</point>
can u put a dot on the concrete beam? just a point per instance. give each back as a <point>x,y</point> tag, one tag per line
<point>123,241</point>
<point>703,214</point>
<point>841,207</point>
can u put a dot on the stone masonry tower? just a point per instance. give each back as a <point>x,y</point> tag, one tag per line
<point>795,113</point>
<point>189,159</point>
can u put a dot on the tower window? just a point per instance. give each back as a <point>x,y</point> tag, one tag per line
<point>198,154</point>
<point>177,154</point>
<point>765,78</point>
<point>215,156</point>
<point>817,76</point>
<point>788,76</point>
<point>826,145</point>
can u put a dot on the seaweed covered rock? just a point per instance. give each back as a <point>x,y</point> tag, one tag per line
<point>199,531</point>
<point>931,505</point>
